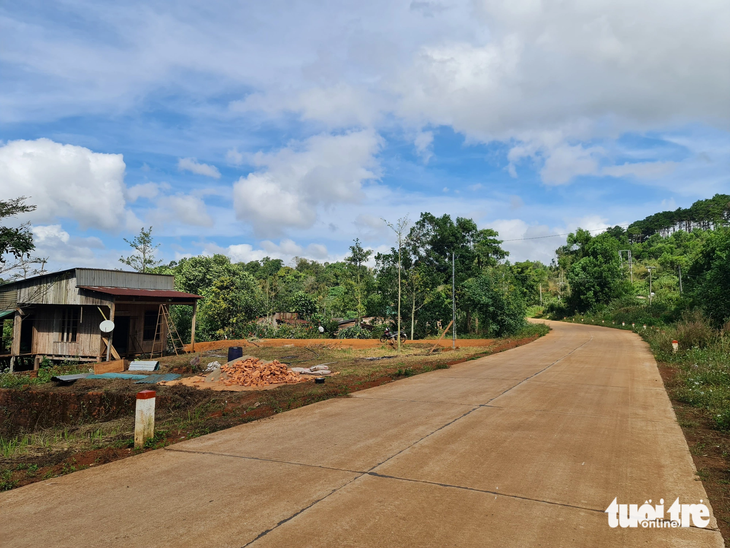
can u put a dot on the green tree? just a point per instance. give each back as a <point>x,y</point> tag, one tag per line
<point>498,305</point>
<point>358,256</point>
<point>143,258</point>
<point>15,242</point>
<point>709,277</point>
<point>228,305</point>
<point>596,277</point>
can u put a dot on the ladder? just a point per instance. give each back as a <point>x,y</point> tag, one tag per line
<point>165,320</point>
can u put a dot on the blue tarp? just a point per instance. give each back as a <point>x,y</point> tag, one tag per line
<point>117,376</point>
<point>158,378</point>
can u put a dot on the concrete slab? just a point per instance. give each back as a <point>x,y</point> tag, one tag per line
<point>163,498</point>
<point>345,433</point>
<point>381,512</point>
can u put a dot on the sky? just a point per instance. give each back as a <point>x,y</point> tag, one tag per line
<point>288,128</point>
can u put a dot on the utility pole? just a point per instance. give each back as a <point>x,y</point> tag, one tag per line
<point>453,300</point>
<point>680,279</point>
<point>540,294</point>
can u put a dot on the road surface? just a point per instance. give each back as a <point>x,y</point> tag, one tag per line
<point>524,448</point>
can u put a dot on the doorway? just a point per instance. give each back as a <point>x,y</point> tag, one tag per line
<point>120,337</point>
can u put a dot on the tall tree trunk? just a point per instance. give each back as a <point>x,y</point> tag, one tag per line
<point>399,289</point>
<point>413,313</point>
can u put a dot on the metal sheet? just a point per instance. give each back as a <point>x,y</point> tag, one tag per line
<point>154,379</point>
<point>69,379</point>
<point>140,365</point>
<point>150,293</point>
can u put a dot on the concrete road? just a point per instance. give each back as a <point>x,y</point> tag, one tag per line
<point>524,448</point>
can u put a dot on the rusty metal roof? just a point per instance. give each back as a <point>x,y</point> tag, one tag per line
<point>147,293</point>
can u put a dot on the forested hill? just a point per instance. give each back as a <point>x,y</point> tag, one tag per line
<point>703,214</point>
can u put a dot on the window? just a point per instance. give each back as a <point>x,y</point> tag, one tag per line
<point>150,325</point>
<point>69,325</point>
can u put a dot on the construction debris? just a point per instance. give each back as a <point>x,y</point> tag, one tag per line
<point>254,372</point>
<point>320,369</point>
<point>212,366</point>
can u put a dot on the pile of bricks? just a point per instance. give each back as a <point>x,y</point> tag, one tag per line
<point>254,372</point>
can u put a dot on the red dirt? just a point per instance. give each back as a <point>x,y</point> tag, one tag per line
<point>332,343</point>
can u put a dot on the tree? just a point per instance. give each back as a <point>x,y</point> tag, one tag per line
<point>143,258</point>
<point>499,306</point>
<point>399,228</point>
<point>229,304</point>
<point>709,277</point>
<point>16,242</point>
<point>357,257</point>
<point>596,277</point>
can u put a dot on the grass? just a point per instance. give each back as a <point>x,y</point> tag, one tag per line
<point>13,380</point>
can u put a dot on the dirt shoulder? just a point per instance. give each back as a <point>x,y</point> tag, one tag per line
<point>710,450</point>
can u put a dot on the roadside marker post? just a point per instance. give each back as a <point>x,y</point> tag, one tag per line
<point>144,423</point>
<point>675,346</point>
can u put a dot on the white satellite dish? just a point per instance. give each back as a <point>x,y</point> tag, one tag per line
<point>107,326</point>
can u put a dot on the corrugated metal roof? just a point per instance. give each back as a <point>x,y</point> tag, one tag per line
<point>148,293</point>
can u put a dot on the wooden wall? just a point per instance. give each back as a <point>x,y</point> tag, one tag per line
<point>47,322</point>
<point>47,326</point>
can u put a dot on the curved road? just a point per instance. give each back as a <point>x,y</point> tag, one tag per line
<point>523,448</point>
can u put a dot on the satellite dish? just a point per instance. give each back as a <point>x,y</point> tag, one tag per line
<point>107,326</point>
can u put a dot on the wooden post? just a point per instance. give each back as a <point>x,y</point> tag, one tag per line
<point>192,329</point>
<point>15,347</point>
<point>112,309</point>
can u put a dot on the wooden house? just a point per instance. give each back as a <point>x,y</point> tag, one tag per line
<point>58,315</point>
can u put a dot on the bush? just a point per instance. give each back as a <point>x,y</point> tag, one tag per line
<point>695,331</point>
<point>354,332</point>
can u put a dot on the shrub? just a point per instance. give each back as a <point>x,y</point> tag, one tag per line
<point>354,332</point>
<point>695,331</point>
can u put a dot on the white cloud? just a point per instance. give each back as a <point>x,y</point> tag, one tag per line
<point>285,250</point>
<point>424,145</point>
<point>192,165</point>
<point>144,190</point>
<point>641,170</point>
<point>234,157</point>
<point>65,181</point>
<point>297,180</point>
<point>181,208</point>
<point>62,250</point>
<point>566,162</point>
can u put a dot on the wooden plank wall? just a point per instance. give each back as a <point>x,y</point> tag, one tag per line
<point>47,327</point>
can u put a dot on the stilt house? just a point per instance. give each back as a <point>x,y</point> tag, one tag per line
<point>58,315</point>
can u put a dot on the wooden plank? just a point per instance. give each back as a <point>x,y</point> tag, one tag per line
<point>114,366</point>
<point>192,329</point>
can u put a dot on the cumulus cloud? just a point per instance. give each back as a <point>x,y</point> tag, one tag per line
<point>65,181</point>
<point>62,250</point>
<point>193,166</point>
<point>145,190</point>
<point>296,180</point>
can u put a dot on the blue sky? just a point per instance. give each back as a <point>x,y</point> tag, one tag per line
<point>289,128</point>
